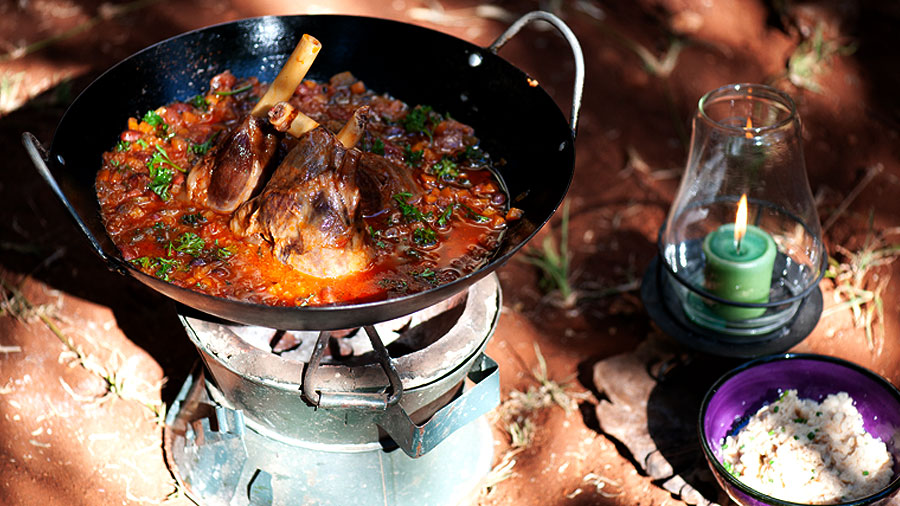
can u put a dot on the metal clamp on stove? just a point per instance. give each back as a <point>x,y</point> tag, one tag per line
<point>414,439</point>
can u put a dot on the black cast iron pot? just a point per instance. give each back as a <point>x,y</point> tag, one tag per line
<point>513,117</point>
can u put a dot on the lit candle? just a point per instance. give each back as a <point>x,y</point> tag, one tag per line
<point>739,263</point>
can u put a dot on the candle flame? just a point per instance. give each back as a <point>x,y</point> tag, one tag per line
<point>740,222</point>
<point>748,134</point>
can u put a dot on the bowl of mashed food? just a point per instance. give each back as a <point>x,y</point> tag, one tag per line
<point>799,429</point>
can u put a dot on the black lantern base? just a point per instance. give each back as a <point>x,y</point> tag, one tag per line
<point>664,307</point>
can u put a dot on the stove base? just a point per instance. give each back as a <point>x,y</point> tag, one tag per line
<point>220,461</point>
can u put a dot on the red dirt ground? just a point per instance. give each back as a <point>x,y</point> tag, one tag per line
<point>65,439</point>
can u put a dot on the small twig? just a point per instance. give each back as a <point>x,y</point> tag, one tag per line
<point>871,172</point>
<point>115,383</point>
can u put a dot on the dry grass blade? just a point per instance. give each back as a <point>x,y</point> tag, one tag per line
<point>16,305</point>
<point>500,472</point>
<point>554,262</point>
<point>812,57</point>
<point>858,285</point>
<point>516,413</point>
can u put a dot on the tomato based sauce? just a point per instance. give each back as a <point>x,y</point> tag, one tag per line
<point>450,228</point>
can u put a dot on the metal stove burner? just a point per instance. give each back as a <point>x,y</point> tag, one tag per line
<point>305,418</point>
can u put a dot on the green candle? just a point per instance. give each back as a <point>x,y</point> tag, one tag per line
<point>739,271</point>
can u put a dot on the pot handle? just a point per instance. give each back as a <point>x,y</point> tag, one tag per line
<point>418,439</point>
<point>39,158</point>
<point>573,44</point>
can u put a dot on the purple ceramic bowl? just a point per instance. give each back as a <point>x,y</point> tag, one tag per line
<point>741,392</point>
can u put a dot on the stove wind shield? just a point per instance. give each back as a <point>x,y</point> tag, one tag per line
<point>399,403</point>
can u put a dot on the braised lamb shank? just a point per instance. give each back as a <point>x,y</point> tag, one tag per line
<point>228,177</point>
<point>311,210</point>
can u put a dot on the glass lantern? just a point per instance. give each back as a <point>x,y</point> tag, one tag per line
<point>742,244</point>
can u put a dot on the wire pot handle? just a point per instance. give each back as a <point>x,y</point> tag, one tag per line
<point>577,54</point>
<point>39,158</point>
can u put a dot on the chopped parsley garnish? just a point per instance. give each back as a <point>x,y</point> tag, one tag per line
<point>800,420</point>
<point>424,236</point>
<point>200,102</point>
<point>442,220</point>
<point>818,413</point>
<point>811,436</point>
<point>427,274</point>
<point>729,468</point>
<point>161,157</point>
<point>234,91</point>
<point>190,243</point>
<point>163,266</point>
<point>410,212</point>
<point>225,252</point>
<point>193,219</point>
<point>378,147</point>
<point>775,409</point>
<point>724,446</point>
<point>201,149</point>
<point>473,154</point>
<point>123,146</point>
<point>160,179</point>
<point>160,175</point>
<point>413,158</point>
<point>417,120</point>
<point>445,169</point>
<point>142,143</point>
<point>153,119</point>
<point>479,218</point>
<point>141,262</point>
<point>865,473</point>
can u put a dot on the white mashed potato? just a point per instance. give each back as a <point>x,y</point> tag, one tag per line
<point>802,451</point>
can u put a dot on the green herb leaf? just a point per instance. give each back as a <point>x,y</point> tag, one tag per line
<point>141,262</point>
<point>161,157</point>
<point>123,146</point>
<point>153,119</point>
<point>413,158</point>
<point>427,274</point>
<point>475,216</point>
<point>193,219</point>
<point>424,236</point>
<point>445,169</point>
<point>200,102</point>
<point>201,149</point>
<point>163,267</point>
<point>410,212</point>
<point>190,243</point>
<point>473,155</point>
<point>142,143</point>
<point>234,91</point>
<point>442,220</point>
<point>160,179</point>
<point>417,120</point>
<point>378,147</point>
<point>225,252</point>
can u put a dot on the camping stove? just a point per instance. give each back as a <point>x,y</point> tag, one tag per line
<point>387,414</point>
